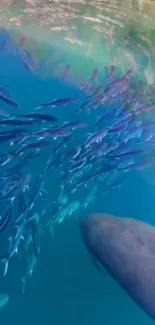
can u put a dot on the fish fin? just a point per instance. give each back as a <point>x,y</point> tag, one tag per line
<point>10,242</point>
<point>9,157</point>
<point>11,143</point>
<point>38,107</point>
<point>36,151</point>
<point>12,117</point>
<point>26,188</point>
<point>31,206</point>
<point>98,266</point>
<point>88,134</point>
<point>84,205</point>
<point>23,280</point>
<point>74,190</point>
<point>43,128</point>
<point>66,122</point>
<point>5,262</point>
<point>42,191</point>
<point>12,199</point>
<point>24,138</point>
<point>32,217</point>
<point>51,230</point>
<point>61,190</point>
<point>43,213</point>
<point>40,138</point>
<point>14,227</point>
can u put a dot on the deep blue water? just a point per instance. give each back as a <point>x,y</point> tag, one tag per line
<point>65,287</point>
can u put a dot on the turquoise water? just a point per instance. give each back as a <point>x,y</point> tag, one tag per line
<point>65,287</point>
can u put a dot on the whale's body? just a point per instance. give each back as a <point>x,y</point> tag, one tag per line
<point>126,249</point>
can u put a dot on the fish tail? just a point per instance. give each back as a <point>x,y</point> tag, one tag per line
<point>5,262</point>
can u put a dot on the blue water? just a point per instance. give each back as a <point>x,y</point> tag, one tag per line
<point>65,287</point>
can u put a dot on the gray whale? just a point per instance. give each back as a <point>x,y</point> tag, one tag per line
<point>126,249</point>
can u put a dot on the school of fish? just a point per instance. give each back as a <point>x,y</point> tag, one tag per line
<point>111,131</point>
